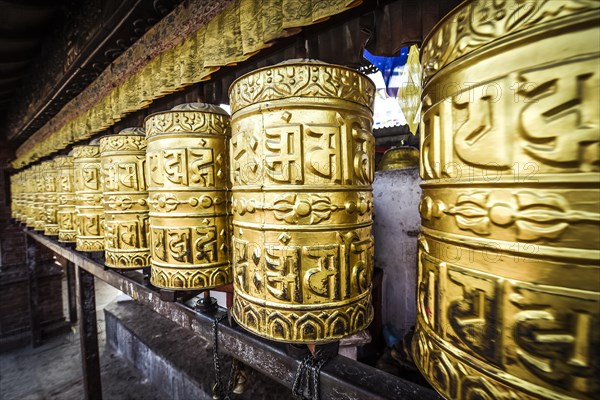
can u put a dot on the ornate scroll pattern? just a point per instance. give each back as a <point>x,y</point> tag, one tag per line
<point>134,81</point>
<point>524,215</point>
<point>316,80</point>
<point>208,118</point>
<point>123,163</point>
<point>302,202</point>
<point>476,24</point>
<point>87,181</point>
<point>187,197</point>
<point>508,260</point>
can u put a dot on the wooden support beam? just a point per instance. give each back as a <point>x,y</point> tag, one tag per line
<point>88,335</point>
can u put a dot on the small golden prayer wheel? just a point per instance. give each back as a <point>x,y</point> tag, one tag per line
<point>15,198</point>
<point>67,231</point>
<point>28,216</point>
<point>123,159</point>
<point>50,198</point>
<point>20,201</point>
<point>186,163</point>
<point>508,303</point>
<point>399,158</point>
<point>88,195</point>
<point>39,198</point>
<point>302,155</point>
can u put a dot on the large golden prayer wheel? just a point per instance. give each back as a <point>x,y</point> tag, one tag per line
<point>123,159</point>
<point>39,196</point>
<point>67,231</point>
<point>509,274</point>
<point>186,163</point>
<point>88,195</point>
<point>28,216</point>
<point>302,156</point>
<point>49,178</point>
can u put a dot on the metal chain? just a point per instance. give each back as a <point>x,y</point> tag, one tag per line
<point>309,369</point>
<point>218,387</point>
<point>316,374</point>
<point>297,387</point>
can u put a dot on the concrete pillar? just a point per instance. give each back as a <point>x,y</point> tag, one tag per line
<point>396,196</point>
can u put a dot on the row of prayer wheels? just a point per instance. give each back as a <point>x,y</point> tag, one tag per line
<point>276,199</point>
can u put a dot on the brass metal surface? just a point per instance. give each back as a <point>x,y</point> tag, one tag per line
<point>399,157</point>
<point>123,160</point>
<point>88,196</point>
<point>67,231</point>
<point>49,177</point>
<point>302,156</point>
<point>187,181</point>
<point>38,198</point>
<point>509,260</point>
<point>144,74</point>
<point>28,216</point>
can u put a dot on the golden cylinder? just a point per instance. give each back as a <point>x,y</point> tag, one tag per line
<point>186,164</point>
<point>509,275</point>
<point>123,159</point>
<point>20,200</point>
<point>302,156</point>
<point>67,232</point>
<point>39,196</point>
<point>29,210</point>
<point>88,197</point>
<point>49,178</point>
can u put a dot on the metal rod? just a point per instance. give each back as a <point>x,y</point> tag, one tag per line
<point>88,335</point>
<point>340,377</point>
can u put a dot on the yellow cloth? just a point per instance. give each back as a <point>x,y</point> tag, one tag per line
<point>409,93</point>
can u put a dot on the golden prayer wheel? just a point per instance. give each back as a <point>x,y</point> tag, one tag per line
<point>67,231</point>
<point>15,195</point>
<point>21,193</point>
<point>509,274</point>
<point>398,158</point>
<point>50,198</point>
<point>186,163</point>
<point>88,197</point>
<point>39,198</point>
<point>123,159</point>
<point>302,156</point>
<point>28,216</point>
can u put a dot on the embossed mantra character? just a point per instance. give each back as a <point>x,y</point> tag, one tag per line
<point>509,274</point>
<point>67,232</point>
<point>88,194</point>
<point>186,162</point>
<point>302,156</point>
<point>123,161</point>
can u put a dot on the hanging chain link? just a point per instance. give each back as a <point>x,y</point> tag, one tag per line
<point>309,369</point>
<point>218,392</point>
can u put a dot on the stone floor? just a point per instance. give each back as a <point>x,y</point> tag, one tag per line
<point>53,370</point>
